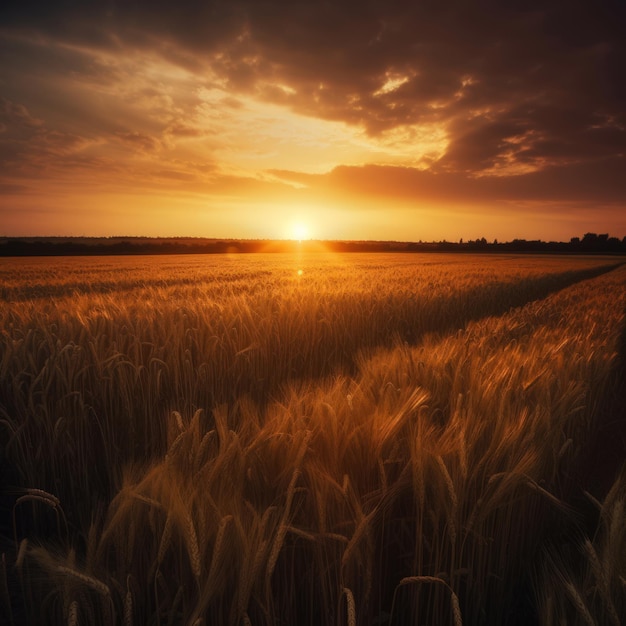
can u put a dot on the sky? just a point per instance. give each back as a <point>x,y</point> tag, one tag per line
<point>377,119</point>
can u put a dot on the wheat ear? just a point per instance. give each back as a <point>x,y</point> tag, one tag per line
<point>454,600</point>
<point>579,603</point>
<point>90,581</point>
<point>350,606</point>
<point>602,580</point>
<point>128,605</point>
<point>72,614</point>
<point>192,545</point>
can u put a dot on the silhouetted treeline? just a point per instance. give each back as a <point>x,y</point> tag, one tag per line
<point>590,243</point>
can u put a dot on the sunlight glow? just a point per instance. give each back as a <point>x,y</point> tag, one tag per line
<point>393,81</point>
<point>300,231</point>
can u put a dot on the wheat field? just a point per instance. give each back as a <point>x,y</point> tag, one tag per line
<point>313,439</point>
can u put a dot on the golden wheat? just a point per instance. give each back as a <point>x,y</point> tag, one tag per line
<point>405,418</point>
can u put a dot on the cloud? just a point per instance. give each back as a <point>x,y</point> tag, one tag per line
<point>601,181</point>
<point>422,102</point>
<point>16,117</point>
<point>490,74</point>
<point>138,141</point>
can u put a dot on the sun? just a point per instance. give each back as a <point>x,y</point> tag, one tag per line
<point>300,231</point>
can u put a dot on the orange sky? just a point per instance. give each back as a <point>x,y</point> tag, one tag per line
<point>373,120</point>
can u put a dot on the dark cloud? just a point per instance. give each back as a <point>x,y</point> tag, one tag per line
<point>16,118</point>
<point>105,24</point>
<point>18,128</point>
<point>602,181</point>
<point>13,188</point>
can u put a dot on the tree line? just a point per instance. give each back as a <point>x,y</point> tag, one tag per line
<point>590,243</point>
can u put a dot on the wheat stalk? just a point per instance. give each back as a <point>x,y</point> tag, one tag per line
<point>361,530</point>
<point>92,541</point>
<point>165,537</point>
<point>218,548</point>
<point>247,577</point>
<point>21,553</point>
<point>282,527</point>
<point>453,498</point>
<point>4,588</point>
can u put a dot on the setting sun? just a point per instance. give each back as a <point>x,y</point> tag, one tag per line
<point>300,231</point>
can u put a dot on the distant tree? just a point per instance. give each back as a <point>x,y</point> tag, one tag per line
<point>613,244</point>
<point>575,241</point>
<point>590,242</point>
